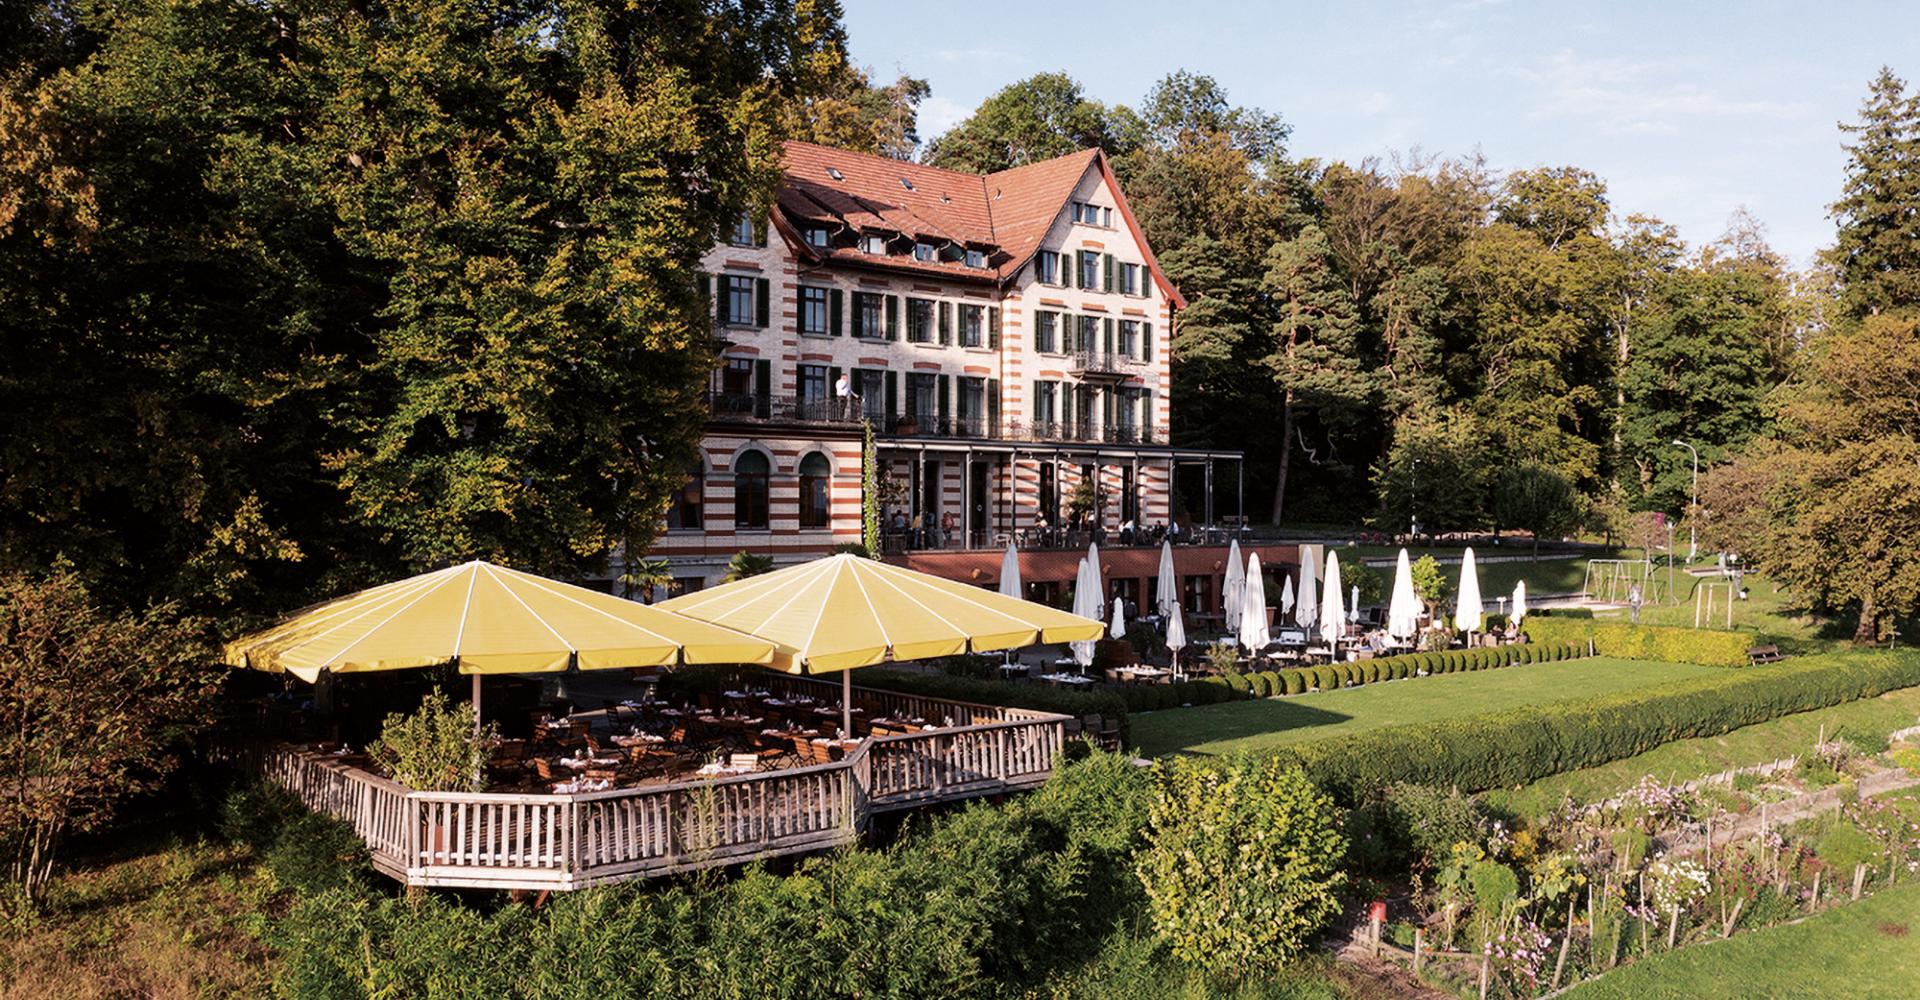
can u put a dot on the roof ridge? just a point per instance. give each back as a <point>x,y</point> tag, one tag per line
<point>883,158</point>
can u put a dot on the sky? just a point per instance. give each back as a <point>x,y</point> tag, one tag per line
<point>1688,111</point>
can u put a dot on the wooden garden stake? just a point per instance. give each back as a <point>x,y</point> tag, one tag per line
<point>1726,929</point>
<point>1486,965</point>
<point>1859,877</point>
<point>1814,903</point>
<point>1565,943</point>
<point>1593,931</point>
<point>1673,928</point>
<point>1419,949</point>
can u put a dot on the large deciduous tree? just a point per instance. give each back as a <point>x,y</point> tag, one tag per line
<point>302,294</point>
<point>1043,116</point>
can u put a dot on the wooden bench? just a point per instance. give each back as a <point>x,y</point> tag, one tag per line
<point>1764,654</point>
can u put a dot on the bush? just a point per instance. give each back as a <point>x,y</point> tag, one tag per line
<point>1238,682</point>
<point>1842,845</point>
<point>436,749</point>
<point>1522,745</point>
<point>1262,684</point>
<point>1242,862</point>
<point>1295,680</point>
<point>1274,684</point>
<point>1417,825</point>
<point>312,853</point>
<point>1586,613</point>
<point>1039,697</point>
<point>1370,671</point>
<point>1645,642</point>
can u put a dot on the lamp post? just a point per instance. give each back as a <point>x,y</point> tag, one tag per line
<point>1693,547</point>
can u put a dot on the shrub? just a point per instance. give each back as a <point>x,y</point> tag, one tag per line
<point>1842,845</point>
<point>312,853</point>
<point>1521,745</point>
<point>1238,682</point>
<point>1645,642</point>
<point>1493,884</point>
<point>1370,672</point>
<point>1242,863</point>
<point>1419,824</point>
<point>1262,684</point>
<point>1318,677</point>
<point>1039,697</point>
<point>436,749</point>
<point>1274,684</point>
<point>1294,680</point>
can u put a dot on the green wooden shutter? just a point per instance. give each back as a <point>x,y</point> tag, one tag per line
<point>762,387</point>
<point>944,385</point>
<point>1106,272</point>
<point>1146,416</point>
<point>762,305</point>
<point>993,327</point>
<point>834,313</point>
<point>1106,335</point>
<point>913,397</point>
<point>893,395</point>
<point>859,316</point>
<point>993,407</point>
<point>1146,341</point>
<point>946,323</point>
<point>893,317</point>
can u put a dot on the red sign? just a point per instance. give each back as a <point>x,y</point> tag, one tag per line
<point>1377,912</point>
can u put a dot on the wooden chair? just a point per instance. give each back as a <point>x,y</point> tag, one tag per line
<point>544,769</point>
<point>744,760</point>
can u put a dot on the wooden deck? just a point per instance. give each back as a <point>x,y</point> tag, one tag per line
<point>561,842</point>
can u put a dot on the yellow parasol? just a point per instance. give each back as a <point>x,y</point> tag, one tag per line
<point>487,619</point>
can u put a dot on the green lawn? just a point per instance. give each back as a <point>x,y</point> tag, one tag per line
<point>1868,950</point>
<point>1270,722</point>
<point>1866,721</point>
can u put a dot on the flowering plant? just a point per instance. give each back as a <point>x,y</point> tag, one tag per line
<point>1676,883</point>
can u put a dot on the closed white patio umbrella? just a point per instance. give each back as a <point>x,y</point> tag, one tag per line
<point>1176,634</point>
<point>1233,588</point>
<point>1118,630</point>
<point>1286,596</point>
<point>1306,614</point>
<point>1466,614</point>
<point>1403,608</point>
<point>1169,596</point>
<point>1254,635</point>
<point>1010,573</point>
<point>1353,604</point>
<point>1519,602</point>
<point>1089,601</point>
<point>1332,619</point>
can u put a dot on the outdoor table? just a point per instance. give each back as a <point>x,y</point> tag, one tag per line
<point>581,763</point>
<point>1070,680</point>
<point>718,768</point>
<point>581,785</point>
<point>638,740</point>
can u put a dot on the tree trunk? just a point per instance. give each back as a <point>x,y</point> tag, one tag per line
<point>1868,631</point>
<point>1286,455</point>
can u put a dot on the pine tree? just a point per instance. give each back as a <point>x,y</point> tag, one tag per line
<point>1878,248</point>
<point>1312,351</point>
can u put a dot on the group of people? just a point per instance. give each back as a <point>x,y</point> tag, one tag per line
<point>921,532</point>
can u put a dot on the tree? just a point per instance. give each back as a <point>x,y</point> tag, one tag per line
<point>650,578</point>
<point>431,276</point>
<point>1435,475</point>
<point>746,564</point>
<point>94,707</point>
<point>1535,498</point>
<point>1877,251</point>
<point>838,104</point>
<point>1429,583</point>
<point>1186,107</point>
<point>1312,353</point>
<point>1044,116</point>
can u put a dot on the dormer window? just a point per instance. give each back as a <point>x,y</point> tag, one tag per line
<point>874,244</point>
<point>817,236</point>
<point>976,258</point>
<point>925,251</point>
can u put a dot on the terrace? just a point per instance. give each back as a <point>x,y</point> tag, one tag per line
<point>650,809</point>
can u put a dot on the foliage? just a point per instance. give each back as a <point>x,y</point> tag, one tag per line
<point>1666,644</point>
<point>94,707</point>
<point>1041,117</point>
<point>989,692</point>
<point>745,564</point>
<point>1513,747</point>
<point>1434,477</point>
<point>1429,582</point>
<point>872,509</point>
<point>990,894</point>
<point>430,276</point>
<point>436,749</point>
<point>1241,866</point>
<point>1877,252</point>
<point>1537,499</point>
<point>650,578</point>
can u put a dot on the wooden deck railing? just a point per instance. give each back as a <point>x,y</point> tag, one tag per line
<point>507,841</point>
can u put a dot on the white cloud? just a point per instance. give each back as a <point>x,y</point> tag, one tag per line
<point>1624,95</point>
<point>938,114</point>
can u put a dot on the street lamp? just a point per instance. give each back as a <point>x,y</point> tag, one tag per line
<point>1693,546</point>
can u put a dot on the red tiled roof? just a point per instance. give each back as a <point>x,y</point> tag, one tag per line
<point>1006,213</point>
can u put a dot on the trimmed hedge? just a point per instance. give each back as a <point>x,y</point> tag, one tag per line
<point>1295,680</point>
<point>1521,745</point>
<point>1647,642</point>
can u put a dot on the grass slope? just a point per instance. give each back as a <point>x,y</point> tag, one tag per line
<point>1866,721</point>
<point>1272,722</point>
<point>1867,950</point>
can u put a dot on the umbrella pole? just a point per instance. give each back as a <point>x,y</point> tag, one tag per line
<point>846,704</point>
<point>476,704</point>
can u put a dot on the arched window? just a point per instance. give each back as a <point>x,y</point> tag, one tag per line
<point>687,511</point>
<point>750,472</point>
<point>815,491</point>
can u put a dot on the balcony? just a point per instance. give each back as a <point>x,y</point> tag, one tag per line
<point>1102,364</point>
<point>754,407</point>
<point>1048,432</point>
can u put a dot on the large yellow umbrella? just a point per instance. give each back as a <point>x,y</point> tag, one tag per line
<point>845,611</point>
<point>486,619</point>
